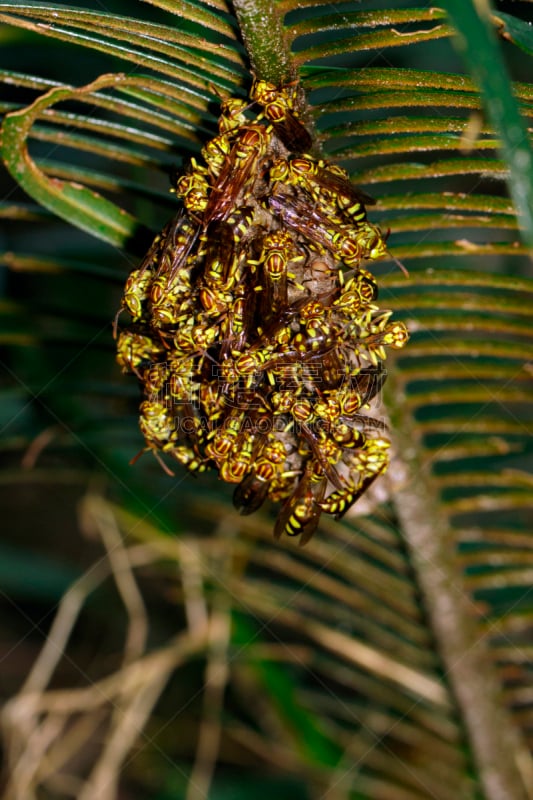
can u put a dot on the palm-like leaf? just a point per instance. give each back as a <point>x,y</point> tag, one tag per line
<point>394,649</point>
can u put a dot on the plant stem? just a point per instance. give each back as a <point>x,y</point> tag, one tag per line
<point>495,741</point>
<point>266,41</point>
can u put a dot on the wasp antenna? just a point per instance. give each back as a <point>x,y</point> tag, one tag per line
<point>137,457</point>
<point>163,465</point>
<point>399,264</point>
<point>215,90</point>
<point>115,322</point>
<point>249,106</point>
<point>158,458</point>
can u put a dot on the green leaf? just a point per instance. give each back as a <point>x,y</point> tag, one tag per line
<point>515,30</point>
<point>146,46</point>
<point>73,202</point>
<point>481,52</point>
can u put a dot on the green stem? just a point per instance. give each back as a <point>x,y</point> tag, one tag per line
<point>266,40</point>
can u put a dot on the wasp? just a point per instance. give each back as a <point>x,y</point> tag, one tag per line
<point>300,514</point>
<point>239,440</point>
<point>188,458</point>
<point>189,426</point>
<point>239,171</point>
<point>328,409</point>
<point>318,335</point>
<point>329,235</point>
<point>254,361</point>
<point>171,299</point>
<point>282,402</point>
<point>156,379</point>
<point>304,218</point>
<point>223,439</point>
<point>367,242</point>
<point>331,185</point>
<point>136,351</point>
<point>136,291</point>
<point>195,340</point>
<point>158,424</point>
<point>158,427</point>
<point>234,328</point>
<point>371,338</point>
<point>278,250</point>
<point>328,372</point>
<point>138,283</point>
<point>252,491</point>
<point>220,260</point>
<point>364,385</point>
<point>327,184</point>
<point>193,189</point>
<point>285,368</point>
<point>220,270</point>
<point>242,223</point>
<point>346,436</point>
<point>302,356</point>
<point>279,109</point>
<point>395,335</point>
<point>339,502</point>
<point>232,114</point>
<point>326,453</point>
<point>214,302</point>
<point>179,240</point>
<point>216,154</point>
<point>358,295</point>
<point>302,173</point>
<point>182,385</point>
<point>212,401</point>
<point>369,462</point>
<point>241,460</point>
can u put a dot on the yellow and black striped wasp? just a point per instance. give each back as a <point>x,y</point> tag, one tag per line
<point>367,463</point>
<point>252,492</point>
<point>346,243</point>
<point>279,108</point>
<point>300,514</point>
<point>239,173</point>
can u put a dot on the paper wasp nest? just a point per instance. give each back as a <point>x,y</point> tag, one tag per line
<point>255,332</point>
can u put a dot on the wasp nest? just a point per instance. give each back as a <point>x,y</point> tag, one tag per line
<point>255,332</point>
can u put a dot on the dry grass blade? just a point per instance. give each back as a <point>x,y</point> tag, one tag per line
<point>42,729</point>
<point>97,519</point>
<point>216,678</point>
